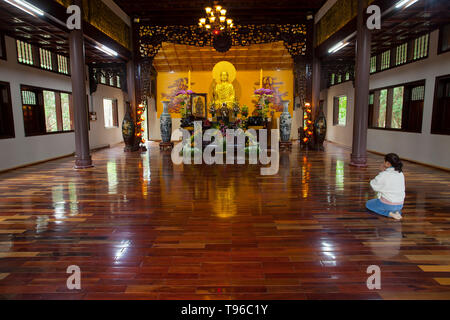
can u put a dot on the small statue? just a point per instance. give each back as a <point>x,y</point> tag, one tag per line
<point>236,109</point>
<point>212,109</point>
<point>199,108</point>
<point>224,111</point>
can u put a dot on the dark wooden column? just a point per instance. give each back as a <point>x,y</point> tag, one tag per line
<point>316,75</point>
<point>316,84</point>
<point>361,112</point>
<point>77,67</point>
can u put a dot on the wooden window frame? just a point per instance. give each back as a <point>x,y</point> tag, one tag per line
<point>336,111</point>
<point>8,114</point>
<point>440,51</point>
<point>37,59</point>
<point>56,64</point>
<point>3,54</point>
<point>436,113</point>
<point>41,110</point>
<point>108,81</point>
<point>115,113</point>
<point>389,103</point>
<point>393,56</point>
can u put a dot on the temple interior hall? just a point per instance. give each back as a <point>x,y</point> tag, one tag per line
<point>217,150</point>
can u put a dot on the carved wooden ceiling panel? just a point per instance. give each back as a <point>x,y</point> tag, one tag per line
<point>187,12</point>
<point>180,58</point>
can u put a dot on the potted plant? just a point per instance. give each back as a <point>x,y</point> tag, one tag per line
<point>244,111</point>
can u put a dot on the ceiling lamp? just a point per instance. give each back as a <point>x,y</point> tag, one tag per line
<point>405,3</point>
<point>107,50</point>
<point>27,7</point>
<point>216,20</point>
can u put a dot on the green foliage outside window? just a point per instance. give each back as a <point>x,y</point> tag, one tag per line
<point>397,108</point>
<point>342,111</point>
<point>65,110</point>
<point>50,111</point>
<point>383,104</point>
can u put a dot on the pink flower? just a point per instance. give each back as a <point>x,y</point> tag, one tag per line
<point>259,91</point>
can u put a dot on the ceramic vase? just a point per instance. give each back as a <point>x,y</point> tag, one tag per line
<point>285,123</point>
<point>166,123</point>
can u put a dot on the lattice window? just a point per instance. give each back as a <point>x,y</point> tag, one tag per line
<point>63,64</point>
<point>28,97</point>
<point>118,81</point>
<point>24,52</point>
<point>401,54</point>
<point>46,59</point>
<point>417,93</point>
<point>333,78</point>
<point>385,60</point>
<point>373,64</point>
<point>421,47</point>
<point>339,78</point>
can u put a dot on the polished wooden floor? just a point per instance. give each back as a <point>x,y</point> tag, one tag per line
<point>140,227</point>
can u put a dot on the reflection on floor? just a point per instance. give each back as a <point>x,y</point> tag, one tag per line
<point>139,226</point>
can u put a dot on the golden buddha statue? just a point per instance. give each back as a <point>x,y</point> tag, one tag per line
<point>224,92</point>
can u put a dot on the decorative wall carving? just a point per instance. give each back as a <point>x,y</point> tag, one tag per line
<point>104,19</point>
<point>303,80</point>
<point>108,70</point>
<point>293,36</point>
<point>341,13</point>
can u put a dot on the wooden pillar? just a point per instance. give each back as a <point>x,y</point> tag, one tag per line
<point>389,102</point>
<point>361,112</point>
<point>376,109</point>
<point>316,76</point>
<point>82,152</point>
<point>316,84</point>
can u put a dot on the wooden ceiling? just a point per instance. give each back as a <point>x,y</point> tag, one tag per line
<point>187,12</point>
<point>397,28</point>
<point>40,32</point>
<point>179,58</point>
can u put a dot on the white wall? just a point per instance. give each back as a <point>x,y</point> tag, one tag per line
<point>339,134</point>
<point>99,135</point>
<point>421,147</point>
<point>25,150</point>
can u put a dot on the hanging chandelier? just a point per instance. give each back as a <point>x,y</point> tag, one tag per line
<point>216,20</point>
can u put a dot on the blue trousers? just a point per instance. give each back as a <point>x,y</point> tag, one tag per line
<point>381,208</point>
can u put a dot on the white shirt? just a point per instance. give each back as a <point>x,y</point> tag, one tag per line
<point>390,185</point>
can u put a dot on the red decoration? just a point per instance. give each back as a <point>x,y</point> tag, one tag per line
<point>308,129</point>
<point>141,118</point>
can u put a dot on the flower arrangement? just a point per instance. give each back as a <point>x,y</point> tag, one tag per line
<point>182,97</point>
<point>236,108</point>
<point>244,111</point>
<point>212,108</point>
<point>264,92</point>
<point>263,97</point>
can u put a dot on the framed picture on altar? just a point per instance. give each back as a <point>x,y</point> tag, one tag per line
<point>199,105</point>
